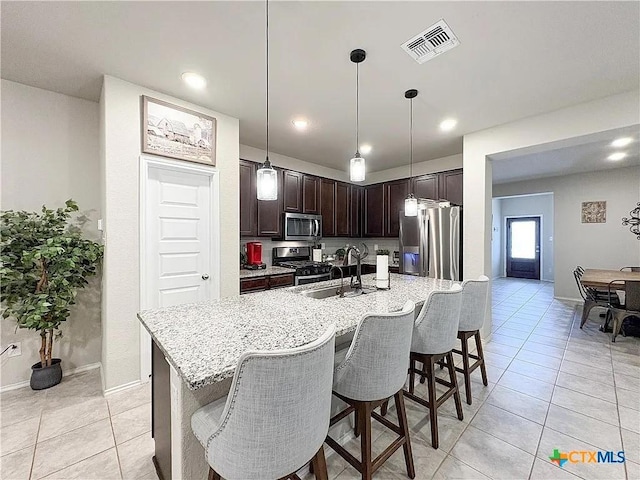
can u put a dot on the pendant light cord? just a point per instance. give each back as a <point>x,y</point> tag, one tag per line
<point>267,34</point>
<point>357,108</point>
<point>411,148</point>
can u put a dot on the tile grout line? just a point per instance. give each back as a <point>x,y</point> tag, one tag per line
<point>115,443</point>
<point>35,446</point>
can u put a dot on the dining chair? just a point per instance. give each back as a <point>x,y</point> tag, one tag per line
<point>589,297</point>
<point>631,305</point>
<point>276,416</point>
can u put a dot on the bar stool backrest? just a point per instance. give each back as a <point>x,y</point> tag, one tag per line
<point>436,328</point>
<point>630,269</point>
<point>376,363</point>
<point>475,295</point>
<point>277,412</point>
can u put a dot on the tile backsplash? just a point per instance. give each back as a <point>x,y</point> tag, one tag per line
<point>331,244</point>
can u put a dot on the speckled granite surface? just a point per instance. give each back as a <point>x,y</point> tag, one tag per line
<point>204,341</point>
<point>244,273</point>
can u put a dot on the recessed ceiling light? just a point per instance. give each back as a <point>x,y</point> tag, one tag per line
<point>617,156</point>
<point>448,124</point>
<point>300,124</point>
<point>365,149</point>
<point>194,80</point>
<point>621,142</point>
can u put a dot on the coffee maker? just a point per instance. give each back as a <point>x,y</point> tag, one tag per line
<point>254,256</point>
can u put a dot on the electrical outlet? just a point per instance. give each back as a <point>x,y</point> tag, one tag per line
<point>375,247</point>
<point>15,352</point>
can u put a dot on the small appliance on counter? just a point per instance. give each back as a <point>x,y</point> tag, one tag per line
<point>299,258</point>
<point>254,256</point>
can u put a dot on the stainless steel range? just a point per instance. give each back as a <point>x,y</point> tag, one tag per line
<point>299,258</point>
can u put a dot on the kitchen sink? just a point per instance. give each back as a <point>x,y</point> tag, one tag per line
<point>332,291</point>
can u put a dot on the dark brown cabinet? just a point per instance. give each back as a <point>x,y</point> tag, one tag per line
<point>356,211</point>
<point>328,207</point>
<point>394,194</point>
<point>292,191</point>
<point>310,194</point>
<point>342,209</point>
<point>248,202</point>
<point>451,186</point>
<point>426,186</point>
<point>374,206</point>
<point>268,282</point>
<point>269,221</point>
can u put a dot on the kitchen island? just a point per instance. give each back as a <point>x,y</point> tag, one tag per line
<point>196,348</point>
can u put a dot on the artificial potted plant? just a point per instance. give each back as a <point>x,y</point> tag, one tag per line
<point>43,262</point>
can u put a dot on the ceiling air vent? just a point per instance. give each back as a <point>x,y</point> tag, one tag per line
<point>435,40</point>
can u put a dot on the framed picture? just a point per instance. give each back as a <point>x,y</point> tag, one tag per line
<point>172,131</point>
<point>594,212</point>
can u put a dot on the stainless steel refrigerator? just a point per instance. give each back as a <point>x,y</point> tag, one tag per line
<point>430,243</point>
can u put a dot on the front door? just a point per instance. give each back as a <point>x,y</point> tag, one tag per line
<point>523,247</point>
<point>176,240</point>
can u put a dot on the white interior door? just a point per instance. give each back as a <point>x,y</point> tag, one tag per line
<point>177,240</point>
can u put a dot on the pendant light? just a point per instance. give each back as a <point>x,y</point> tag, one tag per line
<point>357,164</point>
<point>267,181</point>
<point>411,202</point>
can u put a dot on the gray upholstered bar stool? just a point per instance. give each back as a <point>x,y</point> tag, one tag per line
<point>475,295</point>
<point>372,370</point>
<point>434,337</point>
<point>276,416</point>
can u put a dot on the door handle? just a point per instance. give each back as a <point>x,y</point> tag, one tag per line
<point>205,276</point>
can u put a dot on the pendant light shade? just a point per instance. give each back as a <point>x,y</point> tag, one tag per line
<point>411,202</point>
<point>267,177</point>
<point>357,170</point>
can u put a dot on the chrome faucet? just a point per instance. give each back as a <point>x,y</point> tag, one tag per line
<point>340,291</point>
<point>356,253</point>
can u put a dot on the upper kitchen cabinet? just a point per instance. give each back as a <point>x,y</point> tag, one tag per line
<point>450,187</point>
<point>248,201</point>
<point>426,186</point>
<point>310,194</point>
<point>292,191</point>
<point>342,209</point>
<point>356,215</point>
<point>394,192</point>
<point>269,215</point>
<point>374,207</point>
<point>328,208</point>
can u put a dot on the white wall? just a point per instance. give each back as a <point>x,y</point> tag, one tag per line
<point>496,238</point>
<point>121,104</point>
<point>530,205</point>
<point>607,245</point>
<point>50,154</point>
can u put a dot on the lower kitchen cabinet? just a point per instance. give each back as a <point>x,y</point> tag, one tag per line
<point>268,282</point>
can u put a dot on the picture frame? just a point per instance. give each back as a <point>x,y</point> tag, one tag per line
<point>594,212</point>
<point>172,131</point>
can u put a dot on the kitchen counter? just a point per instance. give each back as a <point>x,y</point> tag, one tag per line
<point>366,261</point>
<point>204,341</point>
<point>265,272</point>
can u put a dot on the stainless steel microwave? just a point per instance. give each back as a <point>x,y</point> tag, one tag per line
<point>301,226</point>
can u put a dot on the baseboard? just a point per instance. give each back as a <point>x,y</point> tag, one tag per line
<point>120,388</point>
<point>577,300</point>
<point>65,373</point>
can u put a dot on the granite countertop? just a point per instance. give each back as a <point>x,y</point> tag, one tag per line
<point>203,341</point>
<point>370,260</point>
<point>244,273</point>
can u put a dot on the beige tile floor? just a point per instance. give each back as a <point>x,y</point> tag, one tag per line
<point>551,386</point>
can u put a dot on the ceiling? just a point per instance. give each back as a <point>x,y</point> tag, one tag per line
<point>584,154</point>
<point>515,59</point>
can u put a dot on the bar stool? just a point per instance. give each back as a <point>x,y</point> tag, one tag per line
<point>276,416</point>
<point>434,337</point>
<point>475,295</point>
<point>374,369</point>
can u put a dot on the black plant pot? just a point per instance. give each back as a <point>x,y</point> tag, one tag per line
<point>46,377</point>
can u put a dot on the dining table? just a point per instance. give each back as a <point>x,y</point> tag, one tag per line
<point>597,278</point>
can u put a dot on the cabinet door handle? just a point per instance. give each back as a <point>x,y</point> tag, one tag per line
<point>205,276</point>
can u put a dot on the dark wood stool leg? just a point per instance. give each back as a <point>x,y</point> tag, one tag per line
<point>465,367</point>
<point>412,375</point>
<point>384,407</point>
<point>213,475</point>
<point>402,422</point>
<point>365,440</point>
<point>358,426</point>
<point>433,404</point>
<point>319,464</point>
<point>483,369</point>
<point>454,381</point>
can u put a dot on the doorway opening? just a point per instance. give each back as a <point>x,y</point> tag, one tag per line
<point>523,247</point>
